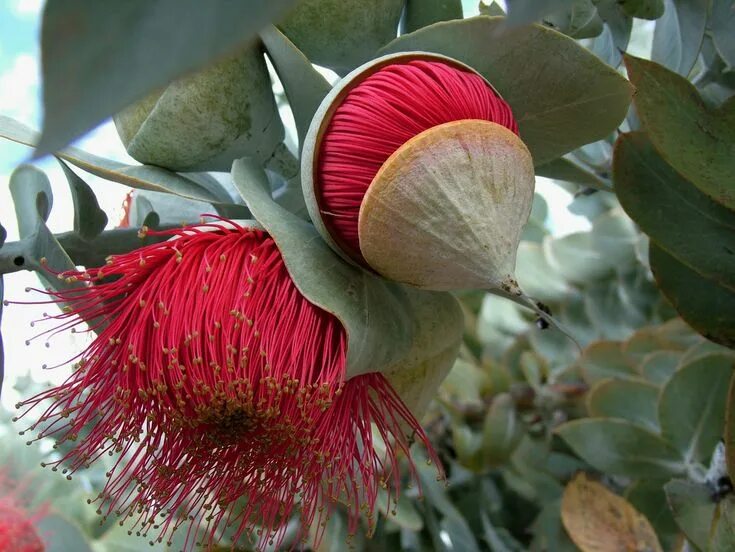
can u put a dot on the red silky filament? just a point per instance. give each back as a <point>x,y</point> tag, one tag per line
<point>222,392</point>
<point>381,114</point>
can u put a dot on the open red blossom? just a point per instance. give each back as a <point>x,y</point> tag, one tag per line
<point>378,116</point>
<point>222,391</point>
<point>17,530</point>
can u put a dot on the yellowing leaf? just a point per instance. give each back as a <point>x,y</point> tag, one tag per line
<point>598,520</point>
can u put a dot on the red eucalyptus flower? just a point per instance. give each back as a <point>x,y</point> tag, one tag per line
<point>17,525</point>
<point>222,391</point>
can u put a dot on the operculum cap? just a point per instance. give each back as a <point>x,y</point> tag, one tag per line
<point>206,120</point>
<point>446,210</point>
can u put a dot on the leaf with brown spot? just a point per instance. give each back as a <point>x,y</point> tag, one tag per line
<point>598,520</point>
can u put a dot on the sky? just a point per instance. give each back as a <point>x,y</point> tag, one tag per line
<point>20,92</point>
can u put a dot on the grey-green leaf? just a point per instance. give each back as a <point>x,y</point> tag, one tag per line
<point>696,141</point>
<point>678,36</point>
<point>693,508</point>
<point>678,217</point>
<point>722,533</point>
<point>523,12</point>
<point>643,9</point>
<point>305,87</point>
<point>61,534</point>
<point>620,447</point>
<point>627,399</point>
<point>562,99</point>
<point>373,311</point>
<point>722,23</point>
<point>89,219</point>
<point>137,176</point>
<point>420,13</point>
<point>98,59</point>
<point>704,304</point>
<point>692,406</point>
<point>570,170</point>
<point>615,35</point>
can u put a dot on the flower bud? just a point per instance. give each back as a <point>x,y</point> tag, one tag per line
<point>413,168</point>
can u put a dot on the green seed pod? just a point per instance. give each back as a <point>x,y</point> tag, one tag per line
<point>206,120</point>
<point>342,34</point>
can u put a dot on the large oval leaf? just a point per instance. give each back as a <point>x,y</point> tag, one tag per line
<point>98,60</point>
<point>620,447</point>
<point>698,142</point>
<point>688,224</point>
<point>692,406</point>
<point>562,96</point>
<point>704,304</point>
<point>598,520</point>
<point>679,33</point>
<point>627,399</point>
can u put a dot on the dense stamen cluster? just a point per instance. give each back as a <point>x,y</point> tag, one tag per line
<point>222,391</point>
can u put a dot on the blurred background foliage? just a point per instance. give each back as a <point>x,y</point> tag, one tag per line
<point>623,439</point>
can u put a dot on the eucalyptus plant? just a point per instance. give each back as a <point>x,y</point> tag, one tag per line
<point>565,391</point>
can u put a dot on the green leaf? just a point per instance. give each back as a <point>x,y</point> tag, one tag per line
<point>693,508</point>
<point>374,312</point>
<point>523,12</point>
<point>691,409</point>
<point>61,535</point>
<point>142,48</point>
<point>643,9</point>
<point>501,432</point>
<point>89,219</point>
<point>696,141</point>
<point>690,226</point>
<point>570,170</point>
<point>576,258</point>
<point>436,496</point>
<point>32,200</point>
<point>605,359</point>
<point>420,13</point>
<point>616,34</point>
<point>402,512</point>
<point>137,176</point>
<point>342,34</point>
<point>305,87</point>
<point>207,119</point>
<point>493,9</point>
<point>658,366</point>
<point>614,235</point>
<point>579,19</point>
<point>722,23</point>
<point>562,96</point>
<point>678,36</point>
<point>627,399</point>
<point>536,277</point>
<point>729,431</point>
<point>622,448</point>
<point>706,306</point>
<point>648,497</point>
<point>722,533</point>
